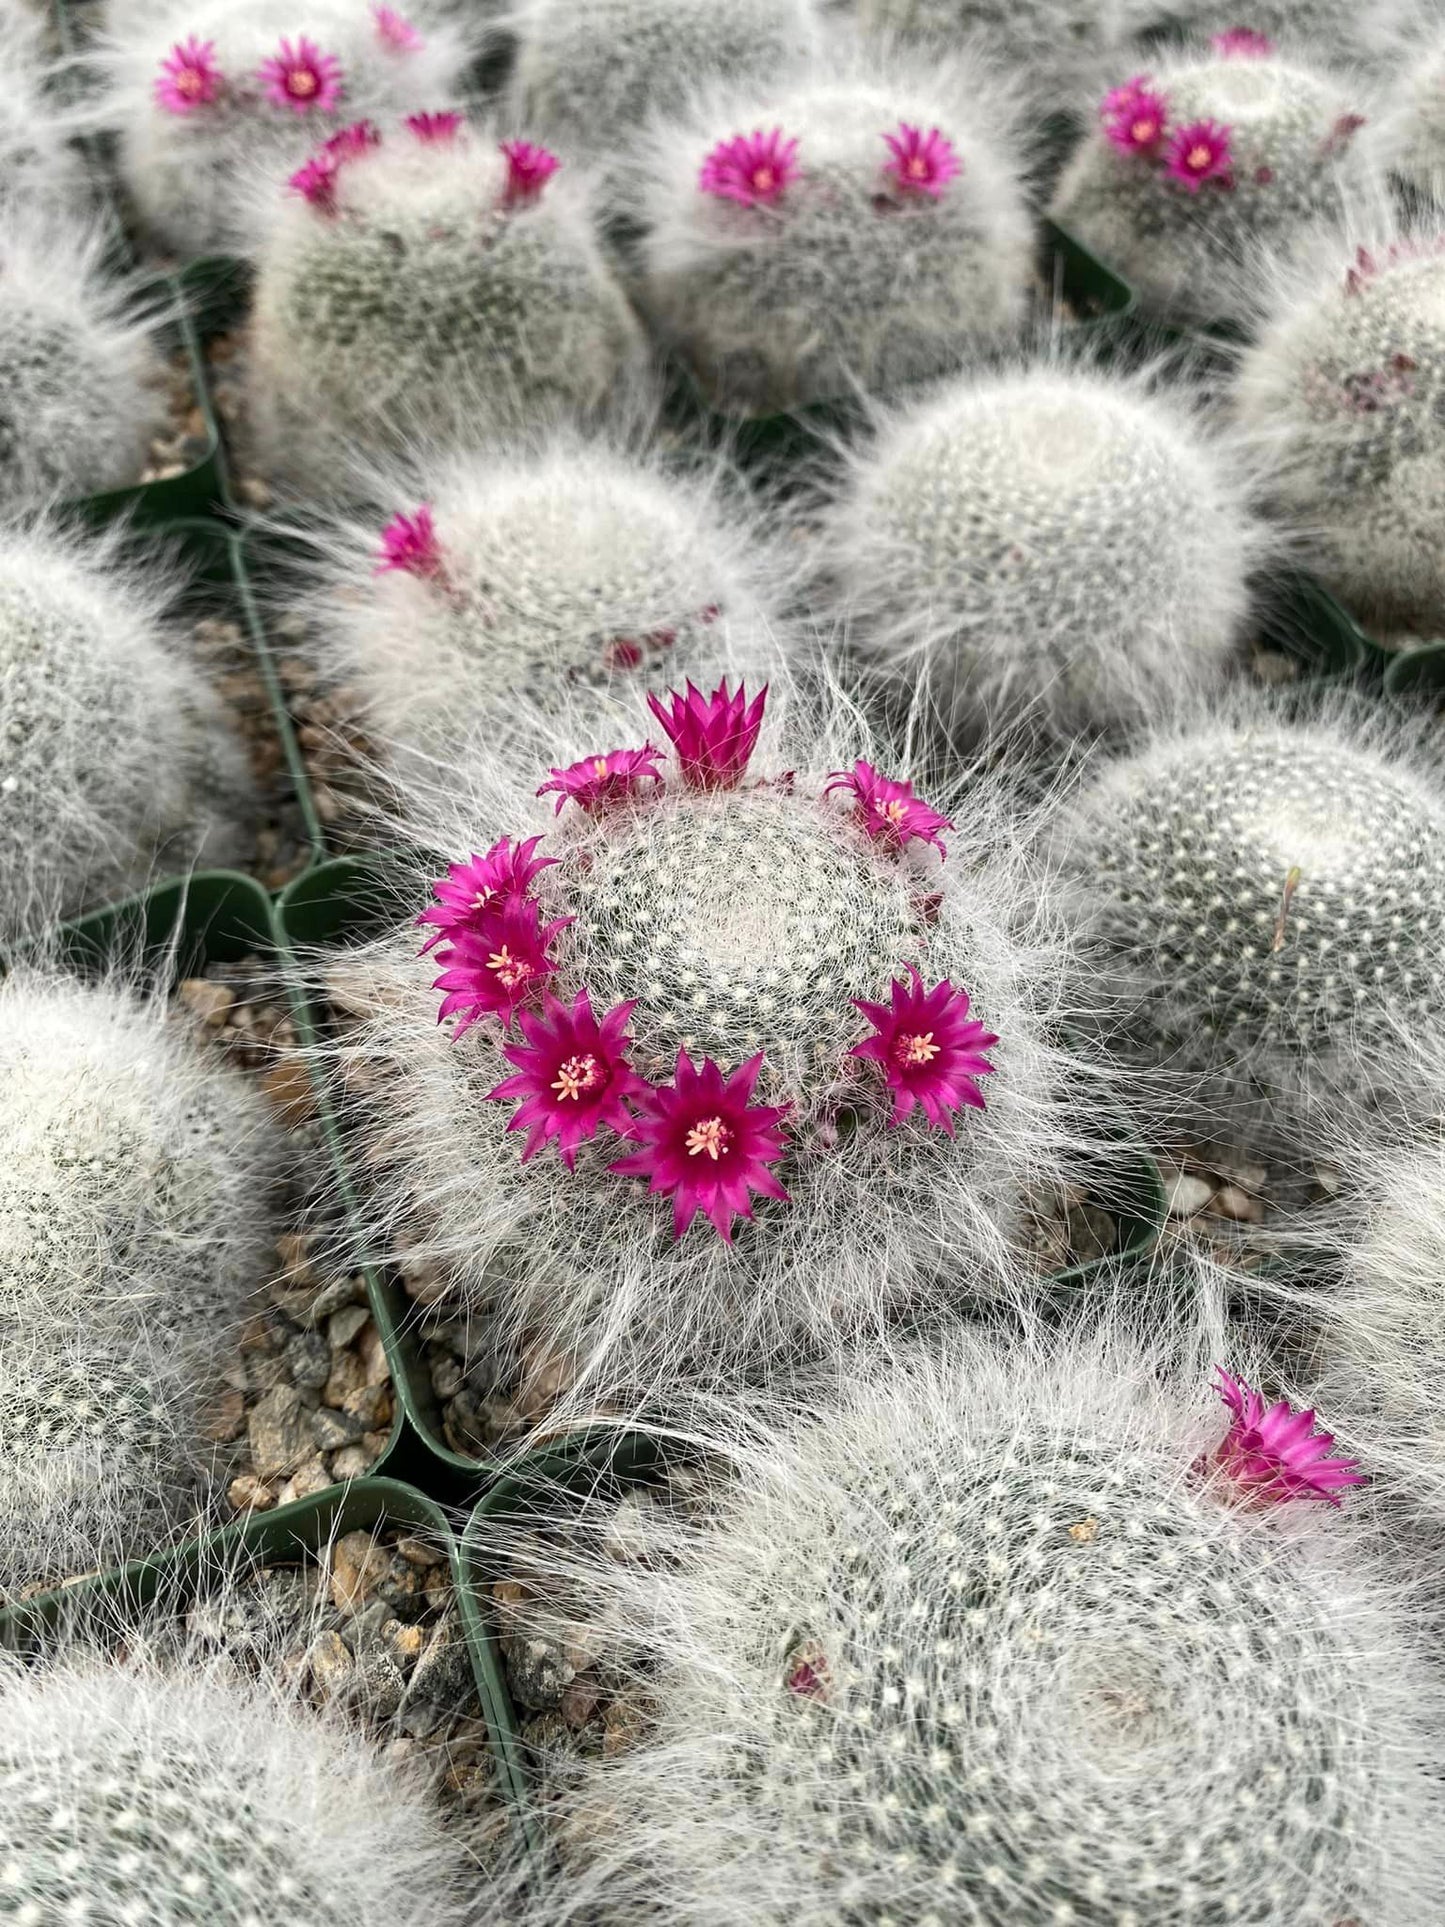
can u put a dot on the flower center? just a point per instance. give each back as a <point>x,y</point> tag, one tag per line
<point>896,811</point>
<point>1144,130</point>
<point>1197,158</point>
<point>764,179</point>
<point>576,1075</point>
<point>916,1049</point>
<point>301,81</point>
<point>918,168</point>
<point>709,1134</point>
<point>189,81</point>
<point>599,765</point>
<point>512,970</point>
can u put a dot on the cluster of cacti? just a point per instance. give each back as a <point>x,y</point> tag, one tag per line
<point>862,227</point>
<point>1345,387</point>
<point>1018,1637</point>
<point>39,169</point>
<point>1211,163</point>
<point>1266,904</point>
<point>166,1795</point>
<point>527,583</point>
<point>432,281</point>
<point>80,378</point>
<point>134,1227</point>
<point>206,99</point>
<point>116,756</point>
<point>742,979</point>
<point>1048,547</point>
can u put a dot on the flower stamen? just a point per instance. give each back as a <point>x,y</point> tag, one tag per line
<point>576,1075</point>
<point>710,1135</point>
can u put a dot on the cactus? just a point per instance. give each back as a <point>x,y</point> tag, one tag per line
<point>430,282</point>
<point>1209,160</point>
<point>134,1224</point>
<point>556,570</point>
<point>115,757</point>
<point>80,380</point>
<point>869,233</point>
<point>1048,547</point>
<point>737,939</point>
<point>1346,386</point>
<point>1412,127</point>
<point>39,169</point>
<point>204,105</point>
<point>591,72</point>
<point>143,1792</point>
<point>1002,1638</point>
<point>1046,43</point>
<point>1373,38</point>
<point>1267,901</point>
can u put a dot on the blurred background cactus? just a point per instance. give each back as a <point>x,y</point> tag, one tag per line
<point>39,168</point>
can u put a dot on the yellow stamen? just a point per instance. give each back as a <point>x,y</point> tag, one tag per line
<point>710,1135</point>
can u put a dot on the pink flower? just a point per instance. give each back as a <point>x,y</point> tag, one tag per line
<point>890,810</point>
<point>1138,127</point>
<point>702,1141</point>
<point>752,169</point>
<point>348,142</point>
<point>189,77</point>
<point>409,544</point>
<point>481,885</point>
<point>301,77</point>
<point>434,127</point>
<point>931,1050</point>
<point>599,782</point>
<point>1276,1454</point>
<point>713,736</point>
<point>1242,43</point>
<point>1120,99</point>
<point>922,163</point>
<point>395,30</point>
<point>529,168</point>
<point>496,963</point>
<point>572,1075</point>
<point>1197,153</point>
<point>316,180</point>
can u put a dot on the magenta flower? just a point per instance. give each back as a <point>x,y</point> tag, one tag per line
<point>529,168</point>
<point>931,1050</point>
<point>496,963</point>
<point>1197,153</point>
<point>395,30</point>
<point>1242,43</point>
<point>409,544</point>
<point>888,809</point>
<point>434,127</point>
<point>704,1142</point>
<point>713,736</point>
<point>922,163</point>
<point>1139,126</point>
<point>1276,1453</point>
<point>1120,99</point>
<point>572,1075</point>
<point>483,884</point>
<point>316,180</point>
<point>752,169</point>
<point>299,76</point>
<point>599,782</point>
<point>348,142</point>
<point>189,77</point>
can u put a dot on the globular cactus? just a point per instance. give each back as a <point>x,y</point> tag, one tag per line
<point>590,73</point>
<point>754,980</point>
<point>432,281</point>
<point>1046,43</point>
<point>1266,901</point>
<point>154,1795</point>
<point>862,228</point>
<point>1345,390</point>
<point>116,757</point>
<point>1212,160</point>
<point>1412,126</point>
<point>207,99</point>
<point>81,383</point>
<point>532,581</point>
<point>135,1223</point>
<point>39,168</point>
<point>1016,1637</point>
<point>1045,547</point>
<point>1373,38</point>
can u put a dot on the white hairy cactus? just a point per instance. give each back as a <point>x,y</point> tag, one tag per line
<point>545,574</point>
<point>791,254</point>
<point>153,1795</point>
<point>1412,126</point>
<point>114,755</point>
<point>134,1226</point>
<point>738,924</point>
<point>1046,43</point>
<point>435,282</point>
<point>1345,389</point>
<point>590,73</point>
<point>196,133</point>
<point>1266,899</point>
<point>1374,37</point>
<point>81,382</point>
<point>999,1640</point>
<point>39,168</point>
<point>1045,546</point>
<point>1209,160</point>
